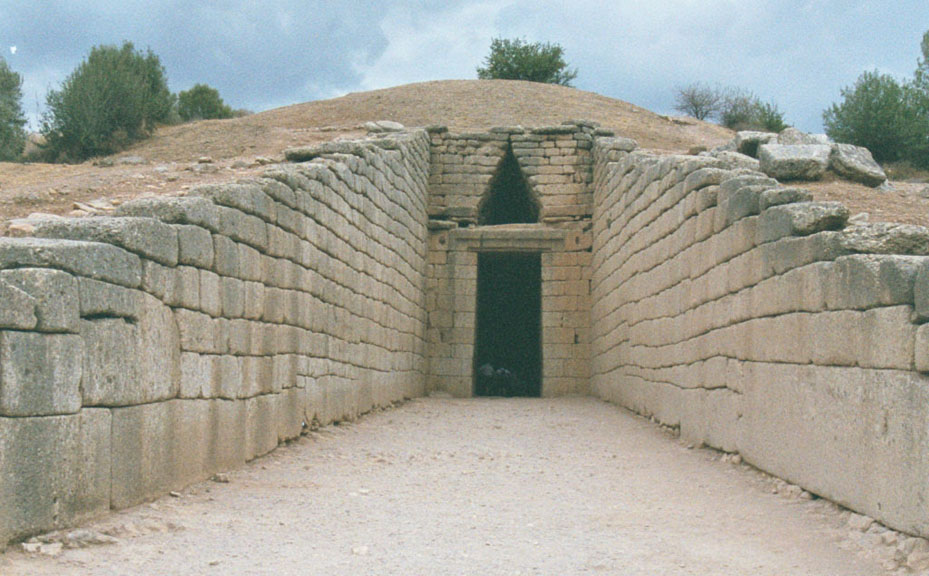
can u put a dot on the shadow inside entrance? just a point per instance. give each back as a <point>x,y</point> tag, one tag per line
<point>508,350</point>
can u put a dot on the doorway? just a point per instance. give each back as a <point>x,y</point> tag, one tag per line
<point>508,343</point>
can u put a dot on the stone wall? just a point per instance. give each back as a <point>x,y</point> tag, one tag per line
<point>187,335</point>
<point>557,164</point>
<point>761,322</point>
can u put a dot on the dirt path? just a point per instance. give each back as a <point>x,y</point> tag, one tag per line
<point>501,486</point>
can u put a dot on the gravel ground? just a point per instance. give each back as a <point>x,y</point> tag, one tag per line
<point>484,486</point>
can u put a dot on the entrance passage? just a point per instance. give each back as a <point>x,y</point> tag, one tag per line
<point>508,350</point>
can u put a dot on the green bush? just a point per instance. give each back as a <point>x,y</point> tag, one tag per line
<point>518,60</point>
<point>113,98</point>
<point>12,121</point>
<point>202,103</point>
<point>878,113</point>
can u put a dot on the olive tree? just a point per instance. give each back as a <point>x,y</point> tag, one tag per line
<point>113,98</point>
<point>516,59</point>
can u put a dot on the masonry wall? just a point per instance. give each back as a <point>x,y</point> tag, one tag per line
<point>188,335</point>
<point>762,323</point>
<point>556,162</point>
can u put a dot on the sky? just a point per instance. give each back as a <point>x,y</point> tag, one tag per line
<point>797,54</point>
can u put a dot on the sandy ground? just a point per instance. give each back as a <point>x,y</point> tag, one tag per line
<point>487,486</point>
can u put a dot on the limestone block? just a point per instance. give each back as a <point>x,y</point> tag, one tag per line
<point>174,210</point>
<point>836,432</point>
<point>800,219</point>
<point>54,294</point>
<point>886,238</point>
<point>143,236</point>
<point>922,348</point>
<point>779,196</point>
<point>290,410</point>
<point>226,256</point>
<point>196,375</point>
<point>127,362</point>
<point>747,142</point>
<point>247,196</point>
<point>210,293</point>
<point>40,374</point>
<point>792,136</point>
<point>865,281</point>
<point>243,227</point>
<point>856,163</point>
<point>836,337</point>
<point>736,161</point>
<point>794,161</point>
<point>54,471</point>
<point>184,289</point>
<point>157,447</point>
<point>249,263</point>
<point>19,308</point>
<point>91,259</point>
<point>228,378</point>
<point>198,332</point>
<point>195,246</point>
<point>887,339</point>
<point>261,425</point>
<point>100,299</point>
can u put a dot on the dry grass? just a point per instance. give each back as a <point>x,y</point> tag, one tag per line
<point>463,105</point>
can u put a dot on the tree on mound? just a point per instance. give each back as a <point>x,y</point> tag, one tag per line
<point>517,59</point>
<point>12,134</point>
<point>113,98</point>
<point>202,102</point>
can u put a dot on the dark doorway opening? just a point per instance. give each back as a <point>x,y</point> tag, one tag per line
<point>509,199</point>
<point>508,347</point>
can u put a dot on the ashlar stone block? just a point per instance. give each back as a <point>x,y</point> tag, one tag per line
<point>40,374</point>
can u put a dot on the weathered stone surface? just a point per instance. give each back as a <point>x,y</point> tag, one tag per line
<point>921,292</point>
<point>736,161</point>
<point>856,163</point>
<point>779,196</point>
<point>108,300</point>
<point>381,126</point>
<point>747,142</point>
<point>245,196</point>
<point>92,259</point>
<point>800,219</point>
<point>865,281</point>
<point>54,294</point>
<point>18,310</point>
<point>131,361</point>
<point>184,210</point>
<point>40,374</point>
<point>887,238</point>
<point>195,246</point>
<point>791,137</point>
<point>54,471</point>
<point>794,162</point>
<point>143,236</point>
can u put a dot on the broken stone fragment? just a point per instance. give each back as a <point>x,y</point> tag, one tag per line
<point>856,163</point>
<point>794,161</point>
<point>747,142</point>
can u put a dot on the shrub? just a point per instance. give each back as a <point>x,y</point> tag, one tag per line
<point>518,60</point>
<point>202,103</point>
<point>12,121</point>
<point>113,98</point>
<point>741,110</point>
<point>878,113</point>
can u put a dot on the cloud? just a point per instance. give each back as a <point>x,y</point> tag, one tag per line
<point>441,43</point>
<point>12,49</point>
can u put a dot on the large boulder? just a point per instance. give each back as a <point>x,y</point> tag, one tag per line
<point>792,137</point>
<point>747,141</point>
<point>794,161</point>
<point>856,163</point>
